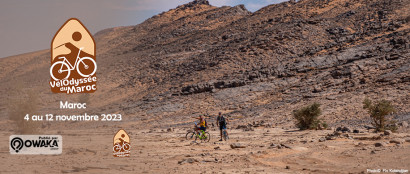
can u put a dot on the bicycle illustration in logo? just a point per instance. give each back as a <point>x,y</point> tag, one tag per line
<point>121,148</point>
<point>85,66</point>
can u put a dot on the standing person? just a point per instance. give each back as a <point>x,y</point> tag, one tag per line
<point>221,121</point>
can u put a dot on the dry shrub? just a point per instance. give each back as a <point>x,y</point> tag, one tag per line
<point>20,105</point>
<point>378,111</point>
<point>308,117</point>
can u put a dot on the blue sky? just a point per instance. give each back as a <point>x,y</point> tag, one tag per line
<point>30,25</point>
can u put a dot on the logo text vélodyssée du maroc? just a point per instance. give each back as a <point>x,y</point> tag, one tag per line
<point>73,60</point>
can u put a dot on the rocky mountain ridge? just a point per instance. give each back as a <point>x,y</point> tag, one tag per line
<point>198,58</point>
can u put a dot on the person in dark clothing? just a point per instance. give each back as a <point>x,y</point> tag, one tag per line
<point>221,122</point>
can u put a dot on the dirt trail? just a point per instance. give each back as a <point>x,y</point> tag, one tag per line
<point>159,151</point>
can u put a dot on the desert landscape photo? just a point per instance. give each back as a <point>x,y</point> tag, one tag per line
<point>309,86</point>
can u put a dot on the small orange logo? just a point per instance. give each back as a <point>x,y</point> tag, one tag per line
<point>73,60</point>
<point>122,146</point>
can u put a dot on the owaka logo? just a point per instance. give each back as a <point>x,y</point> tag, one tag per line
<point>36,144</point>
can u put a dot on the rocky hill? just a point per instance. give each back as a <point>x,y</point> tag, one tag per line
<point>198,58</point>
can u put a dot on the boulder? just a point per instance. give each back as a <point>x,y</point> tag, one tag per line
<point>380,144</point>
<point>322,139</point>
<point>343,129</point>
<point>388,132</point>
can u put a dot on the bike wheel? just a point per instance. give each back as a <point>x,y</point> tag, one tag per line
<point>86,67</point>
<point>206,137</point>
<point>199,137</point>
<point>60,70</point>
<point>190,135</point>
<point>116,148</point>
<point>126,146</point>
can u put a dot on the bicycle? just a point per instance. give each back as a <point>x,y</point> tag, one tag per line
<point>202,136</point>
<point>122,146</point>
<point>86,61</point>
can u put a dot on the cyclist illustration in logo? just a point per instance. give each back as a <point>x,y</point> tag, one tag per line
<point>83,62</point>
<point>121,147</point>
<point>72,55</point>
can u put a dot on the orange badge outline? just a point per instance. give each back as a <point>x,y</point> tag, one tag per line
<point>52,49</point>
<point>113,140</point>
<point>58,31</point>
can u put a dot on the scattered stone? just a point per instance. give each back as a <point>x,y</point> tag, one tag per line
<point>358,144</point>
<point>333,136</point>
<point>188,160</point>
<point>210,160</point>
<point>330,137</point>
<point>287,167</point>
<point>205,154</point>
<point>317,89</point>
<point>369,127</point>
<point>170,129</point>
<point>408,140</point>
<point>331,97</point>
<point>248,129</point>
<point>388,132</point>
<point>273,145</point>
<point>380,144</point>
<point>237,145</point>
<point>345,129</point>
<point>322,139</point>
<point>356,131</point>
<point>337,133</point>
<point>397,141</point>
<point>372,152</point>
<point>217,148</point>
<point>241,127</point>
<point>286,146</point>
<point>404,124</point>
